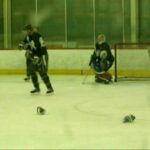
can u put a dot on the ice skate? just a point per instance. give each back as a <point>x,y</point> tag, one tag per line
<point>27,79</point>
<point>49,91</point>
<point>97,80</point>
<point>106,82</point>
<point>35,91</point>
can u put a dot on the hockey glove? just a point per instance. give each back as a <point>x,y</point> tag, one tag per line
<point>36,60</point>
<point>28,54</point>
<point>21,46</point>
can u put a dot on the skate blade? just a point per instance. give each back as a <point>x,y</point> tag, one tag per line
<point>50,94</point>
<point>37,93</point>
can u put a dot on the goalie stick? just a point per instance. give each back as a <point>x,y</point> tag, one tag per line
<point>83,82</point>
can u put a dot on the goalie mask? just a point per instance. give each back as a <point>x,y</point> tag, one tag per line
<point>101,38</point>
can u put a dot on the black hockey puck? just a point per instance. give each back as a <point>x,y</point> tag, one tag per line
<point>129,118</point>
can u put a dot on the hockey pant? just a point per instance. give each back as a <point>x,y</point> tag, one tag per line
<point>41,69</point>
<point>46,58</point>
<point>28,63</point>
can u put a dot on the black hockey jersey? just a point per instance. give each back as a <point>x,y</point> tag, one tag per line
<point>35,44</point>
<point>104,46</point>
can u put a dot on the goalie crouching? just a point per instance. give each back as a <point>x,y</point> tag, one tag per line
<point>101,61</point>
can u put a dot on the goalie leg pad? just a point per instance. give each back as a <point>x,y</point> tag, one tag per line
<point>105,77</point>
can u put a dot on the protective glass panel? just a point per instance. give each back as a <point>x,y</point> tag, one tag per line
<point>80,23</point>
<point>109,19</point>
<point>1,24</point>
<point>23,12</point>
<point>51,21</point>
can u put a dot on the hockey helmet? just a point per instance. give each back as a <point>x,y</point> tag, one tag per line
<point>28,27</point>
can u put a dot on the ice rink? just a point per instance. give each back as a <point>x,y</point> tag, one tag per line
<point>78,116</point>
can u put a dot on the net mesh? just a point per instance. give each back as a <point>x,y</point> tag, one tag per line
<point>132,61</point>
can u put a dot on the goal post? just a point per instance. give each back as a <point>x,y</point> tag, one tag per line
<point>132,61</point>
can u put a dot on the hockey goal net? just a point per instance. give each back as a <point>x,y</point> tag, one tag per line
<point>132,61</point>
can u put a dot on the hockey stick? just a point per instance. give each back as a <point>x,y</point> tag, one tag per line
<point>83,82</point>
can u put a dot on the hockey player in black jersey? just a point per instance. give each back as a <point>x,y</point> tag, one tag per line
<point>33,44</point>
<point>28,61</point>
<point>101,60</point>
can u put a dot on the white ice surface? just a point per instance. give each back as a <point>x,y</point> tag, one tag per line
<point>78,116</point>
